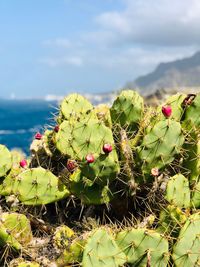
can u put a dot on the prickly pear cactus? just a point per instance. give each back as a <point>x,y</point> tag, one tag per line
<point>5,160</point>
<point>160,145</point>
<point>186,250</point>
<point>127,110</point>
<point>171,220</point>
<point>6,239</point>
<point>143,247</point>
<point>75,106</point>
<point>195,195</point>
<point>91,195</point>
<point>102,250</point>
<point>178,191</point>
<point>124,164</point>
<point>191,158</point>
<point>15,230</point>
<point>176,103</point>
<point>73,253</point>
<point>103,114</point>
<point>38,186</point>
<point>88,137</point>
<point>192,118</point>
<point>62,236</point>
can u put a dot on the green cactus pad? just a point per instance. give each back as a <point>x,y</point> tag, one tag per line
<point>160,145</point>
<point>186,250</point>
<point>62,236</point>
<point>195,195</point>
<point>127,110</point>
<point>89,194</point>
<point>143,247</point>
<point>104,170</point>
<point>39,186</point>
<point>192,157</point>
<point>101,250</point>
<point>15,230</point>
<point>5,160</point>
<point>175,101</point>
<point>178,191</point>
<point>171,220</point>
<point>75,106</point>
<point>73,253</point>
<point>78,140</point>
<point>85,137</point>
<point>192,118</point>
<point>103,114</point>
<point>8,183</point>
<point>7,239</point>
<point>17,156</point>
<point>18,226</point>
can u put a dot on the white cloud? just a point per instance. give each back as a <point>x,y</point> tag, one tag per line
<point>58,42</point>
<point>62,61</point>
<point>133,41</point>
<point>157,22</point>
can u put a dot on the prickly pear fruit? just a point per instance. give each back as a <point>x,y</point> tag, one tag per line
<point>56,128</point>
<point>71,165</point>
<point>107,148</point>
<point>167,111</point>
<point>23,163</point>
<point>38,136</point>
<point>90,158</point>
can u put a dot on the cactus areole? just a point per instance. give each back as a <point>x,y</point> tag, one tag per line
<point>167,111</point>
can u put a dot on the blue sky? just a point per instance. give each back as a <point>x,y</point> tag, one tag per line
<point>61,46</point>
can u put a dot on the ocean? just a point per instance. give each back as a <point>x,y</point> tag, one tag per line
<point>21,119</point>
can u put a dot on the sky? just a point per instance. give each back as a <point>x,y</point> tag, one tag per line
<point>90,46</point>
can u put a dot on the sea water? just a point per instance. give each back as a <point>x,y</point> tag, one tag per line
<point>21,119</point>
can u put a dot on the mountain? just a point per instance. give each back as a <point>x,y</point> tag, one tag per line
<point>179,73</point>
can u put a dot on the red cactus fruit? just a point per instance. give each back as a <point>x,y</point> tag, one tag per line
<point>56,128</point>
<point>90,158</point>
<point>107,148</point>
<point>167,111</point>
<point>71,165</point>
<point>38,136</point>
<point>23,163</point>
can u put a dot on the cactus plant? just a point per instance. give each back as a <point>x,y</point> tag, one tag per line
<point>186,250</point>
<point>160,145</point>
<point>38,186</point>
<point>127,160</point>
<point>191,118</point>
<point>143,247</point>
<point>5,160</point>
<point>127,110</point>
<point>15,230</point>
<point>75,106</point>
<point>178,191</point>
<point>102,250</point>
